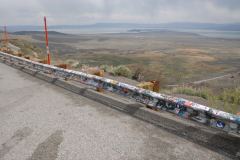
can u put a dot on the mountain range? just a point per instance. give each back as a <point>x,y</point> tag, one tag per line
<point>182,25</point>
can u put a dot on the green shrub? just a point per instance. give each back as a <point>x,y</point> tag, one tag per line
<point>231,96</point>
<point>122,71</point>
<point>117,71</point>
<point>198,92</point>
<point>107,68</point>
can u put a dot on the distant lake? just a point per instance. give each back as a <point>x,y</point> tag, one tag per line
<point>207,33</point>
<point>93,30</point>
<point>214,33</point>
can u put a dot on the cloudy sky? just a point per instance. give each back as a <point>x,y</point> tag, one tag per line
<point>31,12</point>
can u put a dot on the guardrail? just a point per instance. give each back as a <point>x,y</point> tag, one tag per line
<point>179,106</point>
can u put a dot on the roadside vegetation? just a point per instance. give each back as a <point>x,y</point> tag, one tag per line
<point>231,99</point>
<point>26,47</point>
<point>29,49</point>
<point>228,99</point>
<point>120,70</point>
<point>204,93</point>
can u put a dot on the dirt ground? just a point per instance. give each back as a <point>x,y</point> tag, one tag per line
<point>171,57</point>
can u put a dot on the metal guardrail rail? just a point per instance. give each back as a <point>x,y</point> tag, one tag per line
<point>184,108</point>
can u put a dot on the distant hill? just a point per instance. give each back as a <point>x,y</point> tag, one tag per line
<point>37,32</point>
<point>211,26</point>
<point>208,26</point>
<point>199,26</point>
<point>162,32</point>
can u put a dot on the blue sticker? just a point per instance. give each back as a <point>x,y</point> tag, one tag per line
<point>220,124</point>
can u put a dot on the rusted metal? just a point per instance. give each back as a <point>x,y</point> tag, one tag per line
<point>152,86</point>
<point>27,57</point>
<point>64,66</point>
<point>47,47</point>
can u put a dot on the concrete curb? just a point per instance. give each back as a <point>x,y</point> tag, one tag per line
<point>209,137</point>
<point>68,86</point>
<point>29,71</point>
<point>20,67</point>
<point>112,101</point>
<point>45,77</point>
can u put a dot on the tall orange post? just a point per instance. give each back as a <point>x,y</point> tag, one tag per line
<point>46,33</point>
<point>5,35</point>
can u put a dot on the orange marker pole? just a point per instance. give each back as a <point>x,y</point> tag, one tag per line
<point>46,34</point>
<point>5,35</point>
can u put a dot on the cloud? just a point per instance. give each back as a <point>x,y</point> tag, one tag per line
<point>30,12</point>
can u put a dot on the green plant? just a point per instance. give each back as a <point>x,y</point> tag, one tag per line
<point>199,92</point>
<point>231,96</point>
<point>122,71</point>
<point>231,99</point>
<point>107,68</point>
<point>228,100</point>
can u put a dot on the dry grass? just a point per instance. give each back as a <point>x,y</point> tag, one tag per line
<point>228,100</point>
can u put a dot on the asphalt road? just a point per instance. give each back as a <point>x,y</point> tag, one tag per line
<point>39,121</point>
